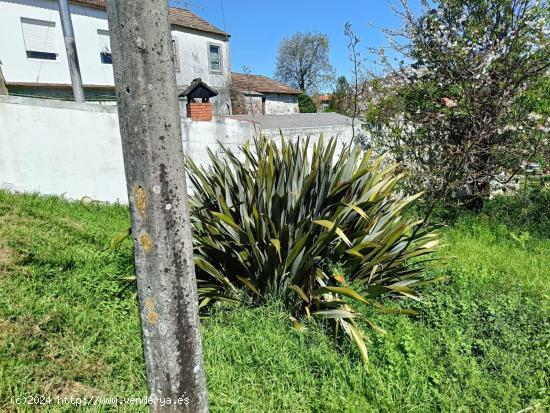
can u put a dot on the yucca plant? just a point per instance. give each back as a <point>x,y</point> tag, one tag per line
<point>268,222</point>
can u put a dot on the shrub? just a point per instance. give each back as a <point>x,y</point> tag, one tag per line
<point>267,226</point>
<point>306,104</point>
<point>525,211</point>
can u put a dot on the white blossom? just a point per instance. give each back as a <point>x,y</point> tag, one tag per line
<point>534,116</point>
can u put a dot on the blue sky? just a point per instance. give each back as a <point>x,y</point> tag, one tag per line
<point>258,26</point>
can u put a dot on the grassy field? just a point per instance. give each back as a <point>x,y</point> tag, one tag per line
<point>68,326</point>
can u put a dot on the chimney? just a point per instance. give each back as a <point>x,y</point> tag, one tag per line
<point>198,96</point>
<point>199,111</point>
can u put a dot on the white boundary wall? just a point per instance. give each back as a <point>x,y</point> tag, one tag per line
<point>74,150</point>
<point>61,148</point>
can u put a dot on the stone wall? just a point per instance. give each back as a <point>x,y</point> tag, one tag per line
<point>238,103</point>
<point>251,103</point>
<point>277,104</point>
<point>246,103</point>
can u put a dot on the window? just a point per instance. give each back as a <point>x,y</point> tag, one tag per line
<point>176,53</point>
<point>40,39</point>
<point>105,47</point>
<point>215,61</point>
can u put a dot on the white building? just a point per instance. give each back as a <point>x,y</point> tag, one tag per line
<point>260,95</point>
<point>34,62</point>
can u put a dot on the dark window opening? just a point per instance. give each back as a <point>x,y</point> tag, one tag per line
<point>41,55</point>
<point>106,58</point>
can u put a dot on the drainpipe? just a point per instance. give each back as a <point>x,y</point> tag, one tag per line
<point>70,46</point>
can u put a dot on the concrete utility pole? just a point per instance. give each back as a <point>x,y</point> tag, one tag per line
<point>150,128</point>
<point>3,88</point>
<point>70,46</point>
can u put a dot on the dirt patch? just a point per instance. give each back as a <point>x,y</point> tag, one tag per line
<point>72,388</point>
<point>7,257</point>
<point>21,329</point>
<point>60,368</point>
<point>73,224</point>
<point>4,332</point>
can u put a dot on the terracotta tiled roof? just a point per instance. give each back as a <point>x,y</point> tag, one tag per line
<point>262,84</point>
<point>185,18</point>
<point>178,17</point>
<point>323,98</point>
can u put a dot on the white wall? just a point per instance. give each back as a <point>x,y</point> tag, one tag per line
<point>198,137</point>
<point>194,61</point>
<point>276,104</point>
<point>86,21</point>
<point>57,147</point>
<point>193,53</point>
<point>341,132</point>
<point>71,149</point>
<point>65,148</point>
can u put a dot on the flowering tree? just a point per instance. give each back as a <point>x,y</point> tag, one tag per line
<point>303,61</point>
<point>462,109</point>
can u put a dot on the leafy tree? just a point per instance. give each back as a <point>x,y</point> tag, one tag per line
<point>342,96</point>
<point>456,116</point>
<point>536,102</point>
<point>303,61</point>
<point>306,104</point>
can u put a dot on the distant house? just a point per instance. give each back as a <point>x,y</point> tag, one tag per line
<point>322,102</point>
<point>34,61</point>
<point>254,94</point>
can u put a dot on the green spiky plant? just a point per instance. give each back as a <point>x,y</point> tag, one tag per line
<point>267,223</point>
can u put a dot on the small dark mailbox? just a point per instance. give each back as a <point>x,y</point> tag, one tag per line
<point>198,96</point>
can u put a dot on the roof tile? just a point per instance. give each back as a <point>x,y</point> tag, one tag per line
<point>178,17</point>
<point>256,83</point>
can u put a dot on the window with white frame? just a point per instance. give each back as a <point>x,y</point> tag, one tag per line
<point>215,58</point>
<point>105,47</point>
<point>40,39</point>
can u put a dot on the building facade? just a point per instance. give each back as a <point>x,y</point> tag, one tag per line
<point>260,95</point>
<point>34,62</point>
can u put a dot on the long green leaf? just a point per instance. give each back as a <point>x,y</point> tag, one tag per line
<point>120,237</point>
<point>354,333</point>
<point>346,291</point>
<point>300,292</point>
<point>331,225</point>
<point>227,219</point>
<point>334,314</point>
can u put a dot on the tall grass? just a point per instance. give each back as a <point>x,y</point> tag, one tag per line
<point>480,343</point>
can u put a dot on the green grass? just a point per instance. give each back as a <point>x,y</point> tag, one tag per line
<point>68,327</point>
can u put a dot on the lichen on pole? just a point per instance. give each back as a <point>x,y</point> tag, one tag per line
<point>154,163</point>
